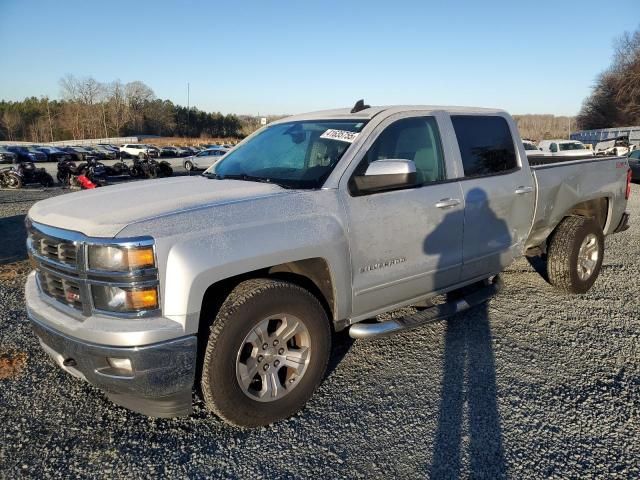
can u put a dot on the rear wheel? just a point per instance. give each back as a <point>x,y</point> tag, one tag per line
<point>13,181</point>
<point>267,352</point>
<point>188,166</point>
<point>575,254</point>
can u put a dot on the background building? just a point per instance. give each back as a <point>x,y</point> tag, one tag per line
<point>598,135</point>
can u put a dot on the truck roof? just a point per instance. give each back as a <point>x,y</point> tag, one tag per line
<point>368,113</point>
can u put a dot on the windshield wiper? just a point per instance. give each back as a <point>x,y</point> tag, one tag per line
<point>247,178</point>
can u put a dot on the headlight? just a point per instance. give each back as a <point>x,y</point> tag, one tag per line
<point>124,299</point>
<point>120,259</point>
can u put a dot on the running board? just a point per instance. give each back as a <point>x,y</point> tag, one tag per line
<point>429,315</point>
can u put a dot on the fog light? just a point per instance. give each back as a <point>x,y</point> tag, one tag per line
<point>120,363</point>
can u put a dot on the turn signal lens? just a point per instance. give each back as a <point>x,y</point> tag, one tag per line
<point>142,299</point>
<point>140,257</point>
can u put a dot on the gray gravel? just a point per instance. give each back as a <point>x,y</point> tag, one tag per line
<point>535,384</point>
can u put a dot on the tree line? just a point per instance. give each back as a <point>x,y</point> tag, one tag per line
<point>92,109</point>
<point>544,127</point>
<point>615,99</point>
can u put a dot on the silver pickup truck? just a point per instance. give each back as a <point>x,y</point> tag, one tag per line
<point>234,281</point>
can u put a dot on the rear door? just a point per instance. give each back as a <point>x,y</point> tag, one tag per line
<point>498,191</point>
<point>404,243</point>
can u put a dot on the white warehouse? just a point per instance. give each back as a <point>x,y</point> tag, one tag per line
<point>598,135</point>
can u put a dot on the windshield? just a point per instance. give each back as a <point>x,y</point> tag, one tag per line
<point>293,154</point>
<point>571,146</point>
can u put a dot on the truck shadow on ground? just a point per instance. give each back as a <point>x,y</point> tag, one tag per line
<point>14,237</point>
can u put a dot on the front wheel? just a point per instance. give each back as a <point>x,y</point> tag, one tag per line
<point>188,166</point>
<point>575,254</point>
<point>267,352</point>
<point>46,180</point>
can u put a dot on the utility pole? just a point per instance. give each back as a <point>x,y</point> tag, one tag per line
<point>188,108</point>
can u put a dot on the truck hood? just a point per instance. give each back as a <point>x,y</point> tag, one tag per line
<point>105,211</point>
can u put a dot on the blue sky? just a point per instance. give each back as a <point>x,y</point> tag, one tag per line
<point>271,57</point>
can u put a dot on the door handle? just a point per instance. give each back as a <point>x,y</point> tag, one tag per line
<point>447,202</point>
<point>521,190</point>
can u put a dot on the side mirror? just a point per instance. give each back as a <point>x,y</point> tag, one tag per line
<point>385,175</point>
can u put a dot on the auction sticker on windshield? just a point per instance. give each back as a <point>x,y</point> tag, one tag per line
<point>342,135</point>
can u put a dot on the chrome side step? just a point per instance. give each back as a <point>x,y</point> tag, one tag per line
<point>429,315</point>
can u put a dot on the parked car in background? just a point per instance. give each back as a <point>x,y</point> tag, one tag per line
<point>203,160</point>
<point>102,153</point>
<point>530,148</point>
<point>7,156</point>
<point>634,163</point>
<point>565,148</point>
<point>616,146</point>
<point>54,154</point>
<point>168,151</point>
<point>138,150</point>
<point>28,153</point>
<point>182,152</point>
<point>112,148</point>
<point>78,154</point>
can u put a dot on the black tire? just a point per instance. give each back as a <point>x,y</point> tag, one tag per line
<point>165,169</point>
<point>248,304</point>
<point>46,180</point>
<point>188,166</point>
<point>563,251</point>
<point>14,181</point>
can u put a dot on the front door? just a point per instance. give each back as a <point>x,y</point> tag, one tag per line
<point>405,243</point>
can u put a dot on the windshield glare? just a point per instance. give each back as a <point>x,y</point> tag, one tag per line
<point>291,154</point>
<point>571,146</point>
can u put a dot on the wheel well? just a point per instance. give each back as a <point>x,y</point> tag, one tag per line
<point>313,274</point>
<point>598,209</point>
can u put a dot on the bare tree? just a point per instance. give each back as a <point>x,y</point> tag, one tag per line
<point>12,122</point>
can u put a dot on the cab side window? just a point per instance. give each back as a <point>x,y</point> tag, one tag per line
<point>416,139</point>
<point>486,145</point>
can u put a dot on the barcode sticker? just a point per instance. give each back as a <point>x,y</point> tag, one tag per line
<point>341,135</point>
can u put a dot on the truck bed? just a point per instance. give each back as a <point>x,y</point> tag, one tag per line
<point>562,183</point>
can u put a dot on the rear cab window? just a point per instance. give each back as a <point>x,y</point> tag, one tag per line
<point>486,145</point>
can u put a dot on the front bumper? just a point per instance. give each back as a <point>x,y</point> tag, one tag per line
<point>161,375</point>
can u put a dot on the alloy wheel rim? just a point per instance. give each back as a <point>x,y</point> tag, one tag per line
<point>588,257</point>
<point>273,358</point>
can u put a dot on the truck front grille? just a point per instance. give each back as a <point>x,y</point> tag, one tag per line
<point>59,266</point>
<point>56,249</point>
<point>61,289</point>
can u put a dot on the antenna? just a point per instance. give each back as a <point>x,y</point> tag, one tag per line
<point>359,106</point>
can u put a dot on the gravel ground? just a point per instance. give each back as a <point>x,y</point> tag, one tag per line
<point>534,384</point>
